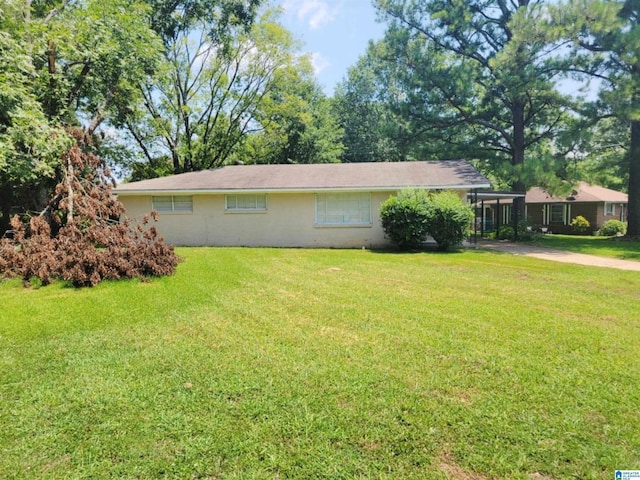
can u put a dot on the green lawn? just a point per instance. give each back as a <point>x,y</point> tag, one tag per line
<point>338,364</point>
<point>601,246</point>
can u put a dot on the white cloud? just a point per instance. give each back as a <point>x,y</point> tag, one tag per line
<point>319,62</point>
<point>316,13</point>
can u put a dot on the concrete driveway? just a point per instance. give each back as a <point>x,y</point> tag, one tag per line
<point>559,255</point>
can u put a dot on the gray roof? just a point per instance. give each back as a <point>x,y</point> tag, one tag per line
<point>369,176</point>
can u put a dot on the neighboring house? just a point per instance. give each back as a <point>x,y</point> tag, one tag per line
<point>554,213</point>
<point>317,205</point>
<point>596,204</point>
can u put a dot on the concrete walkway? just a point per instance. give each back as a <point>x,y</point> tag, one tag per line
<point>559,255</point>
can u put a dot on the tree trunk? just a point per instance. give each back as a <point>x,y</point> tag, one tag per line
<point>69,182</point>
<point>517,160</point>
<point>633,213</point>
<point>5,208</point>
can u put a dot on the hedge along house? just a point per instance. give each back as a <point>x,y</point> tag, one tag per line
<point>552,213</point>
<point>296,205</point>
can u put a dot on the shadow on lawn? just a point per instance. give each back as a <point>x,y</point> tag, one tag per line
<point>431,248</point>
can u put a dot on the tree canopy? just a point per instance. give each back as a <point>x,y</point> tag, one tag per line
<point>606,46</point>
<point>481,77</point>
<point>62,64</point>
<point>246,96</point>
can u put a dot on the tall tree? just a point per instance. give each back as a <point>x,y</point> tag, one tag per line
<point>30,147</point>
<point>606,37</point>
<point>604,158</point>
<point>363,103</point>
<point>205,101</point>
<point>487,66</point>
<point>297,123</point>
<point>63,64</point>
<point>172,18</point>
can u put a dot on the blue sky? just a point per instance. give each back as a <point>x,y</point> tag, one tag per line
<point>335,32</point>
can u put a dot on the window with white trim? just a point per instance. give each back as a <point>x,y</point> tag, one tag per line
<point>343,209</point>
<point>172,204</point>
<point>609,208</point>
<point>246,203</point>
<point>558,213</point>
<point>506,214</point>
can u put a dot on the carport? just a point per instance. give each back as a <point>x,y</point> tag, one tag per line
<point>480,198</point>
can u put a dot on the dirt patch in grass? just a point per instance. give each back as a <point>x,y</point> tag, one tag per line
<point>453,471</point>
<point>539,476</point>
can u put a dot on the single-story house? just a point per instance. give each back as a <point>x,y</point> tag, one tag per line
<point>554,213</point>
<point>294,205</point>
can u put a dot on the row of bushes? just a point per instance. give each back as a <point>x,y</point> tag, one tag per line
<point>579,224</point>
<point>610,228</point>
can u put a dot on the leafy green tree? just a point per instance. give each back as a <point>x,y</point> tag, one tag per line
<point>62,64</point>
<point>604,156</point>
<point>206,100</point>
<point>606,36</point>
<point>172,18</point>
<point>481,76</point>
<point>363,104</point>
<point>297,123</point>
<point>29,146</point>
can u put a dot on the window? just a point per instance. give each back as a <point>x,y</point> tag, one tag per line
<point>173,204</point>
<point>609,208</point>
<point>343,209</point>
<point>557,213</point>
<point>246,203</point>
<point>506,215</point>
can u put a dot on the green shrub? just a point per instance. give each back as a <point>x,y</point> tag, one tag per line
<point>611,228</point>
<point>408,218</point>
<point>449,219</point>
<point>505,233</point>
<point>404,218</point>
<point>525,230</point>
<point>580,224</point>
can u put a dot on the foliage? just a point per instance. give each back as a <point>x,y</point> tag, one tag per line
<point>479,76</point>
<point>364,103</point>
<point>410,216</point>
<point>606,153</point>
<point>87,243</point>
<point>171,18</point>
<point>62,64</point>
<point>612,228</point>
<point>203,108</point>
<point>449,219</point>
<point>296,363</point>
<point>404,218</point>
<point>30,147</point>
<point>606,47</point>
<point>505,232</point>
<point>580,224</point>
<point>296,123</point>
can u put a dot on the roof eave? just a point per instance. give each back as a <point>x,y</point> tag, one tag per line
<point>222,191</point>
